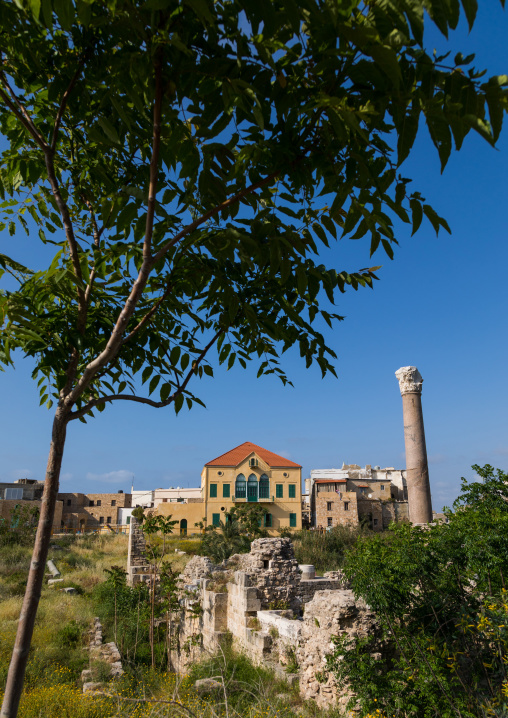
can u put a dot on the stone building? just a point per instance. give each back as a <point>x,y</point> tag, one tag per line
<point>26,493</point>
<point>92,511</point>
<point>246,474</point>
<point>352,495</point>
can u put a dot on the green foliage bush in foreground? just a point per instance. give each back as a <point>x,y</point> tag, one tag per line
<point>441,599</point>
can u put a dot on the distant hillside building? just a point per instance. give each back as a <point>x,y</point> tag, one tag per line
<point>353,495</point>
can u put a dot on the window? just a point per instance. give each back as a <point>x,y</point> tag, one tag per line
<point>253,462</point>
<point>69,502</point>
<point>382,487</point>
<point>292,491</point>
<point>13,494</point>
<point>268,520</point>
<point>375,522</point>
<point>90,503</point>
<point>240,487</point>
<point>329,521</point>
<point>213,491</point>
<point>252,488</point>
<point>164,501</point>
<point>101,520</point>
<point>329,505</point>
<point>108,519</point>
<point>279,491</point>
<point>128,520</point>
<point>216,519</point>
<point>113,502</point>
<point>99,502</point>
<point>292,520</point>
<point>226,491</point>
<point>264,487</point>
<point>346,505</point>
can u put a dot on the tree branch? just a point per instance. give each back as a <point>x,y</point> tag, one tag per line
<point>63,104</point>
<point>115,340</point>
<point>144,400</point>
<point>212,212</point>
<point>154,163</point>
<point>19,110</point>
<point>148,315</point>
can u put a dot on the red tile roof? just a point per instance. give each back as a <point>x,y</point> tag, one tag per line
<point>239,453</point>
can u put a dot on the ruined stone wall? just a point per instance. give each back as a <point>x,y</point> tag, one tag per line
<point>395,511</point>
<point>330,613</point>
<point>274,571</point>
<point>235,602</point>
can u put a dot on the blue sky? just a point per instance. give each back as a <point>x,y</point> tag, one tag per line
<point>440,305</point>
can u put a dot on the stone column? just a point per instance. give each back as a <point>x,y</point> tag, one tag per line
<point>417,470</point>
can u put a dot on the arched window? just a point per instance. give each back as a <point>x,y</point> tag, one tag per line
<point>183,527</point>
<point>240,487</point>
<point>252,488</point>
<point>264,487</point>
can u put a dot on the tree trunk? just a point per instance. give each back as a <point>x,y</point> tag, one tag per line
<point>19,659</point>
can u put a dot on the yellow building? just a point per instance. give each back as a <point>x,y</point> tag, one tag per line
<point>246,474</point>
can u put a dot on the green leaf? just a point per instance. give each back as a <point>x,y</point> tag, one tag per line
<point>201,9</point>
<point>109,129</point>
<point>178,403</point>
<point>65,12</point>
<point>417,214</point>
<point>470,9</point>
<point>407,134</point>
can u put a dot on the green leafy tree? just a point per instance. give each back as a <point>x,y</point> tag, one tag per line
<point>153,526</point>
<point>442,606</point>
<point>186,161</point>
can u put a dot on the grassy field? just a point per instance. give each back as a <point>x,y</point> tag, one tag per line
<point>58,655</point>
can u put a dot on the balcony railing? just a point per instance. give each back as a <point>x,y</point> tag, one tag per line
<point>260,499</point>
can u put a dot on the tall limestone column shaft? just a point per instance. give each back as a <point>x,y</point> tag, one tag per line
<point>417,470</point>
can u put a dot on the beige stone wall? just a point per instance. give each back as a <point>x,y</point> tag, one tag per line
<point>7,506</point>
<point>279,508</point>
<point>331,505</point>
<point>330,613</point>
<point>193,512</point>
<point>79,514</point>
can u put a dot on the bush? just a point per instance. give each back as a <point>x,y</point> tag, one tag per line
<point>69,635</point>
<point>327,551</point>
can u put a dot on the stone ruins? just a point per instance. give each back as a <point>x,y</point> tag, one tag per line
<point>276,612</point>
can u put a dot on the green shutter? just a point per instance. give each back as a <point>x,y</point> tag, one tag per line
<point>213,491</point>
<point>128,520</point>
<point>292,520</point>
<point>279,491</point>
<point>216,520</point>
<point>292,491</point>
<point>226,491</point>
<point>268,520</point>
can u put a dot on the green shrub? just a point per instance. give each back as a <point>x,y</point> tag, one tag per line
<point>326,551</point>
<point>69,635</point>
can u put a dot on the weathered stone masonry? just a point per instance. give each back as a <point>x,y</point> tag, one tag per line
<point>260,602</point>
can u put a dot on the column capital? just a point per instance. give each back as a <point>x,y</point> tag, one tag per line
<point>410,380</point>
